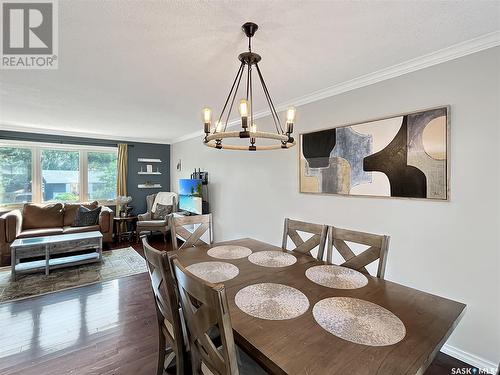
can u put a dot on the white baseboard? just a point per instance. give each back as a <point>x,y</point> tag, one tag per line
<point>469,358</point>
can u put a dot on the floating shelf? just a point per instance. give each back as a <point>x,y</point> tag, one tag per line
<point>149,173</point>
<point>152,186</point>
<point>145,160</point>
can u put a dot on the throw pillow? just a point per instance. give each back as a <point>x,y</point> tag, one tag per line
<point>162,211</point>
<point>86,217</point>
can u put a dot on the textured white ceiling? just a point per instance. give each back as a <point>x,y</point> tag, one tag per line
<point>144,69</point>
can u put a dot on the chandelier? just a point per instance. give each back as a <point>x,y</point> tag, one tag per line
<point>220,138</point>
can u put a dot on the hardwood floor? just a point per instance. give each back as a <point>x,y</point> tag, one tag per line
<point>106,328</point>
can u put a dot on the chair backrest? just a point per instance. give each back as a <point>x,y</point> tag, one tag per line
<point>378,247</point>
<point>205,307</point>
<point>178,229</point>
<point>318,239</point>
<point>166,301</point>
<point>150,199</point>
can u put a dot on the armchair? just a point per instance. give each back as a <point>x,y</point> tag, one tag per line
<point>147,223</point>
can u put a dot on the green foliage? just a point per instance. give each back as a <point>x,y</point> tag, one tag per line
<point>66,197</point>
<point>16,169</point>
<point>198,189</point>
<point>15,173</point>
<point>60,160</point>
<point>105,164</point>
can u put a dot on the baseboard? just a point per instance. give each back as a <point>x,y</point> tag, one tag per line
<point>469,358</point>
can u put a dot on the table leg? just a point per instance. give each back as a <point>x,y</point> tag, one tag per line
<point>47,257</point>
<point>13,262</point>
<point>99,250</point>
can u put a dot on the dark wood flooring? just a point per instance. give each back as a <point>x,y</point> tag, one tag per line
<point>106,328</point>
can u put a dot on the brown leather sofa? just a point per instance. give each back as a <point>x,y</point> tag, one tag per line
<point>35,220</point>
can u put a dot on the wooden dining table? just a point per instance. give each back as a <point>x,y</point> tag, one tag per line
<point>301,346</point>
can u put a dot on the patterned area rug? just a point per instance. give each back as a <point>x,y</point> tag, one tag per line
<point>116,263</point>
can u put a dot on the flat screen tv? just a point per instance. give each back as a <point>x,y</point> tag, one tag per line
<point>190,198</point>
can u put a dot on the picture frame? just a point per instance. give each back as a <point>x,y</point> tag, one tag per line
<point>415,165</point>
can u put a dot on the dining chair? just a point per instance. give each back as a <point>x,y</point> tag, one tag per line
<point>318,239</point>
<point>378,248</point>
<point>171,339</point>
<point>205,307</point>
<point>178,229</point>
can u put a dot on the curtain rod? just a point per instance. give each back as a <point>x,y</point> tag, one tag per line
<point>83,143</point>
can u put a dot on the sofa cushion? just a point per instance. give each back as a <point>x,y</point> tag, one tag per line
<point>70,210</point>
<point>42,216</point>
<point>38,232</point>
<point>86,217</point>
<point>90,228</point>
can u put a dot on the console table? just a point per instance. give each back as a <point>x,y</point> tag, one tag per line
<point>47,246</point>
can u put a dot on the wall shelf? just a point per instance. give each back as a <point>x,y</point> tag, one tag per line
<point>149,173</point>
<point>152,186</point>
<point>146,160</point>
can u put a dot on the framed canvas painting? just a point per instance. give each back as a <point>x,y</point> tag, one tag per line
<point>402,156</point>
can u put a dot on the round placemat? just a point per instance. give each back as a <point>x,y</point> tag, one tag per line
<point>272,258</point>
<point>359,321</point>
<point>229,252</point>
<point>271,301</point>
<point>214,272</point>
<point>337,277</point>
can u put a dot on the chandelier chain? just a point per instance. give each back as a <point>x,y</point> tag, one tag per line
<point>274,114</point>
<point>232,101</point>
<point>227,100</point>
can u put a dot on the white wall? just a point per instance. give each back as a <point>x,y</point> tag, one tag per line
<point>447,248</point>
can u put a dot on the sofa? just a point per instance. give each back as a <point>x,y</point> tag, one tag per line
<point>35,220</point>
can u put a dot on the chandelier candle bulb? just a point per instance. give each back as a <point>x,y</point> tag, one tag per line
<point>207,119</point>
<point>244,112</point>
<point>290,118</point>
<point>253,130</point>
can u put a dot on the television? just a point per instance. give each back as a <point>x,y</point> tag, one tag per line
<point>190,197</point>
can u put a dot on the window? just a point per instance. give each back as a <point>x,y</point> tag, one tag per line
<point>15,175</point>
<point>60,175</point>
<point>102,167</point>
<point>39,172</point>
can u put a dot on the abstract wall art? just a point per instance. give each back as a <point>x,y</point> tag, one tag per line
<point>401,156</point>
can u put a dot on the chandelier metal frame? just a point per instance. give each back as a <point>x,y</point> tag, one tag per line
<point>217,136</point>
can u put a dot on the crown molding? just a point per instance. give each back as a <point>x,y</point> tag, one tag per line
<point>470,359</point>
<point>453,52</point>
<point>68,133</point>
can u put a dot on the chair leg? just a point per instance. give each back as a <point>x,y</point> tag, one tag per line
<point>161,354</point>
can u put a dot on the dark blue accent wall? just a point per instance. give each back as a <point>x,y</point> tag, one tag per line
<point>135,150</point>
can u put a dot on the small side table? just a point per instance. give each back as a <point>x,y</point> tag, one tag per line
<point>120,223</point>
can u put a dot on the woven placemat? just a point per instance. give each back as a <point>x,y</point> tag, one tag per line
<point>337,277</point>
<point>214,272</point>
<point>229,252</point>
<point>271,301</point>
<point>359,321</point>
<point>272,258</point>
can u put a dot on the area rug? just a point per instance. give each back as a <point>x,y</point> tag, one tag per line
<point>116,263</point>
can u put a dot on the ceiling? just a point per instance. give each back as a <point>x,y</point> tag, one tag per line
<point>143,69</point>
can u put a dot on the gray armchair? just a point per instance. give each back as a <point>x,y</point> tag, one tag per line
<point>147,223</point>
